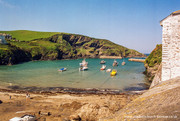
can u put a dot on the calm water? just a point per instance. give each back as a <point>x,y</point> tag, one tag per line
<point>45,74</point>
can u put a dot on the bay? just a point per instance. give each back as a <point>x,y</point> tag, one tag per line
<point>46,74</point>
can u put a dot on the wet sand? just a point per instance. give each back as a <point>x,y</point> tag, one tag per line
<point>61,106</point>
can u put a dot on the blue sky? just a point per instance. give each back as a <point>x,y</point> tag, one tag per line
<point>131,23</point>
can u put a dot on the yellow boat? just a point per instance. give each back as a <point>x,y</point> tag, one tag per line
<point>114,72</point>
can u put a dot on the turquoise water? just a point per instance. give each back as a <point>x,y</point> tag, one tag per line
<point>45,74</point>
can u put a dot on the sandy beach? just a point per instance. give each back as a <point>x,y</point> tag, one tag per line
<point>59,106</point>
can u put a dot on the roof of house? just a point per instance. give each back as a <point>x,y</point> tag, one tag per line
<point>173,13</point>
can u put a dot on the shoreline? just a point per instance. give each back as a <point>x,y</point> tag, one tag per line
<point>68,90</point>
<point>100,57</point>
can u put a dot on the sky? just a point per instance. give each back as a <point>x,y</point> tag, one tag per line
<point>131,23</point>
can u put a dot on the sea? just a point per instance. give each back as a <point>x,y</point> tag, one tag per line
<point>42,74</point>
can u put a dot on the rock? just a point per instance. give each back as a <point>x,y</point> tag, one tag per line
<point>75,118</point>
<point>93,112</point>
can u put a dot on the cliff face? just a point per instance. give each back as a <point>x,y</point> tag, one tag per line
<point>13,55</point>
<point>83,46</point>
<point>58,46</point>
<point>153,62</point>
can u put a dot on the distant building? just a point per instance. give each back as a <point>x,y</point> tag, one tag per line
<point>171,46</point>
<point>2,39</point>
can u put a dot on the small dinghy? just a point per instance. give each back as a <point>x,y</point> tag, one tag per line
<point>24,118</point>
<point>102,62</point>
<point>114,72</point>
<point>83,68</point>
<point>84,63</point>
<point>103,67</point>
<point>123,63</point>
<point>62,69</point>
<point>28,118</point>
<point>108,70</point>
<point>115,63</point>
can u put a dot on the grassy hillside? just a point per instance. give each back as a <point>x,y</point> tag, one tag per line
<point>25,35</point>
<point>55,45</point>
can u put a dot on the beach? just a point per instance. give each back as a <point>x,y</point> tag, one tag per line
<point>58,106</point>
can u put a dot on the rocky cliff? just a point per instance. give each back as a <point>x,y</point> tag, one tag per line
<point>49,46</point>
<point>153,62</point>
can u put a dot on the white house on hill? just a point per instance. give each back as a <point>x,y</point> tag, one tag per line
<point>2,40</point>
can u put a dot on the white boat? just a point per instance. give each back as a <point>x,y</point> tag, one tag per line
<point>115,63</point>
<point>84,68</point>
<point>62,69</point>
<point>108,70</point>
<point>123,63</point>
<point>24,118</point>
<point>102,62</point>
<point>16,119</point>
<point>28,118</point>
<point>84,63</point>
<point>103,67</point>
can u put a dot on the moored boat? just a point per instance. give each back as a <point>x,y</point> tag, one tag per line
<point>84,63</point>
<point>115,63</point>
<point>114,72</point>
<point>84,68</point>
<point>108,70</point>
<point>24,118</point>
<point>102,62</point>
<point>103,67</point>
<point>62,69</point>
<point>123,63</point>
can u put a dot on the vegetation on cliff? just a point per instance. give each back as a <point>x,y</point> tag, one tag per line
<point>56,45</point>
<point>155,57</point>
<point>153,61</point>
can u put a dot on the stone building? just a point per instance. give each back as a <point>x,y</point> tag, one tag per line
<point>171,46</point>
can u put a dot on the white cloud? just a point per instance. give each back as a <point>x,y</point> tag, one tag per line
<point>6,4</point>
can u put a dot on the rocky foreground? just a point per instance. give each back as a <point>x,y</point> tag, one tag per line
<point>61,107</point>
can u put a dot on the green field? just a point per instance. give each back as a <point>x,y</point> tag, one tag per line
<point>25,35</point>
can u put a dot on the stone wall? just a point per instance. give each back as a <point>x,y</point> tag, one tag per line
<point>170,46</point>
<point>157,78</point>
